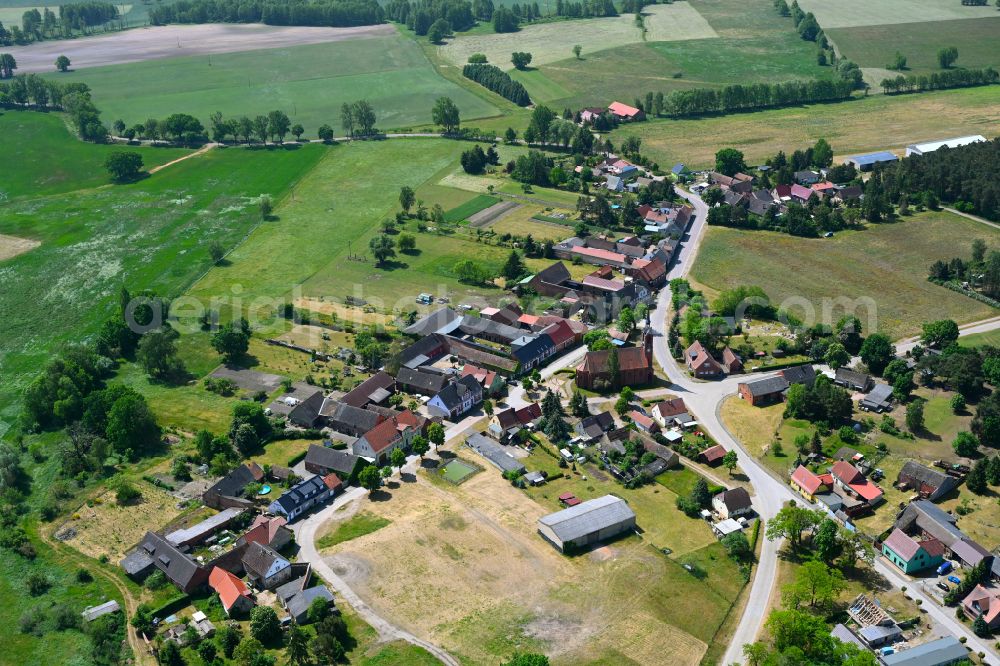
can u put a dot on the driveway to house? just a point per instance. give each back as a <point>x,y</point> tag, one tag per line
<point>981,326</point>
<point>305,537</point>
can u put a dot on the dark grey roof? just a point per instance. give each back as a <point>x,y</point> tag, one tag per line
<point>301,492</point>
<point>205,528</point>
<point>557,273</point>
<point>800,374</point>
<point>735,499</point>
<point>881,394</point>
<point>767,386</point>
<point>453,394</point>
<point>852,377</point>
<point>422,351</point>
<point>427,381</point>
<point>364,392</point>
<point>286,591</point>
<point>232,484</point>
<point>482,327</point>
<point>760,206</point>
<point>136,562</point>
<point>587,517</point>
<point>927,475</point>
<point>258,558</point>
<point>942,651</point>
<point>179,567</point>
<point>298,605</point>
<point>933,520</point>
<point>533,349</point>
<point>970,551</point>
<point>432,322</point>
<point>341,462</point>
<point>493,452</point>
<point>594,425</point>
<point>352,417</point>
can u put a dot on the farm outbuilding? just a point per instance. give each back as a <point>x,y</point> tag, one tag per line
<point>869,161</point>
<point>587,523</point>
<point>931,146</point>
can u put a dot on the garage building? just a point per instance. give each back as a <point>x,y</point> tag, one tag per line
<point>586,523</point>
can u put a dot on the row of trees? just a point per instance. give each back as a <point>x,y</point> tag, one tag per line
<point>733,98</point>
<point>74,18</point>
<point>495,79</point>
<point>338,13</point>
<point>585,8</point>
<point>951,78</point>
<point>73,98</point>
<point>419,16</point>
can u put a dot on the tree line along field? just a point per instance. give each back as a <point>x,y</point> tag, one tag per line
<point>876,122</point>
<point>47,160</point>
<point>151,234</point>
<point>308,82</point>
<point>885,262</point>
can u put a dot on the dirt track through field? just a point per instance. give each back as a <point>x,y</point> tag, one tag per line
<point>172,41</point>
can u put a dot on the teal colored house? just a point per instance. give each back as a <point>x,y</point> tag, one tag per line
<point>910,555</point>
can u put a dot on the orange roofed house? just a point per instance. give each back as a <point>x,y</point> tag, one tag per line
<point>635,366</point>
<point>857,492</point>
<point>232,591</point>
<point>625,113</point>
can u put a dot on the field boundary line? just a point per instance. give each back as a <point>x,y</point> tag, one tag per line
<point>201,151</point>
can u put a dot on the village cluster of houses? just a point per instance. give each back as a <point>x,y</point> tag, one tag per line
<point>872,396</point>
<point>740,190</point>
<point>235,563</point>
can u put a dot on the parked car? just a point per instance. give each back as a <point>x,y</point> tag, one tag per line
<point>954,579</point>
<point>944,568</point>
<point>943,586</point>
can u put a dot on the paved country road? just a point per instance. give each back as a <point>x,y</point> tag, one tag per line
<point>704,401</point>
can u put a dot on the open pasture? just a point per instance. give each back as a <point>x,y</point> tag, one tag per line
<point>46,159</point>
<point>852,13</point>
<point>551,42</point>
<point>151,234</point>
<point>748,43</point>
<point>173,41</point>
<point>886,263</point>
<point>309,82</point>
<point>878,122</point>
<point>977,40</point>
<point>490,585</point>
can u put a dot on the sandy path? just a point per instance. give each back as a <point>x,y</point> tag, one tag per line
<point>201,151</point>
<point>171,41</point>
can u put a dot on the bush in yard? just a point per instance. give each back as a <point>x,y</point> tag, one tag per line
<point>264,624</point>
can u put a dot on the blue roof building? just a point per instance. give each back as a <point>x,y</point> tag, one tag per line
<point>677,169</point>
<point>866,162</point>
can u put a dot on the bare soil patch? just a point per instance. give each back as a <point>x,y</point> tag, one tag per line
<point>11,246</point>
<point>248,380</point>
<point>346,313</point>
<point>172,41</point>
<point>492,214</point>
<point>463,567</point>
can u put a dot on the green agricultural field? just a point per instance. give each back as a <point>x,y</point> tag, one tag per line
<point>46,159</point>
<point>852,13</point>
<point>887,263</point>
<point>308,82</point>
<point>748,43</point>
<point>551,42</point>
<point>877,122</point>
<point>977,41</point>
<point>151,234</point>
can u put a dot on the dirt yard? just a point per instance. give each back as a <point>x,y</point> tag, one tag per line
<point>171,41</point>
<point>464,567</point>
<point>345,313</point>
<point>11,246</point>
<point>108,529</point>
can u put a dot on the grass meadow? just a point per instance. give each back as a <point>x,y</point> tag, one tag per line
<point>977,41</point>
<point>877,122</point>
<point>853,13</point>
<point>746,42</point>
<point>46,159</point>
<point>308,82</point>
<point>887,263</point>
<point>150,234</point>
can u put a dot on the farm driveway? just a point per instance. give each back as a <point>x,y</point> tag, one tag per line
<point>171,41</point>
